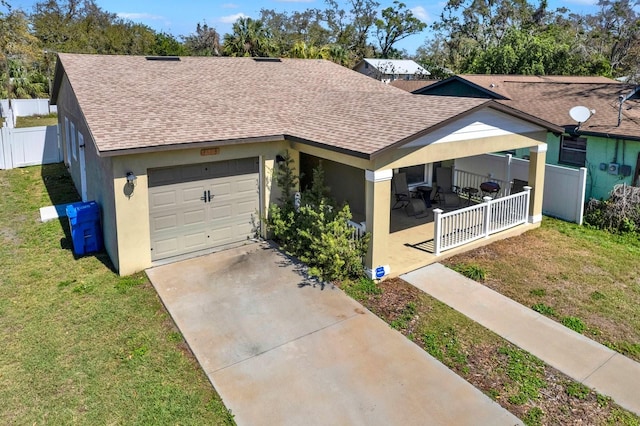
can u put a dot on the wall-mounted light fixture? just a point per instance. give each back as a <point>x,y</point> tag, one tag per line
<point>279,159</point>
<point>131,179</point>
<point>130,185</point>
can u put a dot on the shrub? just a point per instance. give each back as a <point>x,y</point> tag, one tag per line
<point>619,214</point>
<point>316,231</point>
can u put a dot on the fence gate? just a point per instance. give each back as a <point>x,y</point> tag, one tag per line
<point>29,146</point>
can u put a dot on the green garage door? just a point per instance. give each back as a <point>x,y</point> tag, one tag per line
<point>202,206</point>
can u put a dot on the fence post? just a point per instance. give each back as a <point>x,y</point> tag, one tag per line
<point>508,157</point>
<point>437,230</point>
<point>487,216</point>
<point>527,189</point>
<point>582,185</point>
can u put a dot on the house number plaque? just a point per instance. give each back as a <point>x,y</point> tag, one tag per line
<point>210,151</point>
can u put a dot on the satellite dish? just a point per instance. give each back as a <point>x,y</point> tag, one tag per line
<point>580,113</point>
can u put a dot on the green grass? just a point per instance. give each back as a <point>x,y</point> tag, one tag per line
<point>81,345</point>
<point>471,271</point>
<point>527,374</point>
<point>37,120</point>
<point>585,276</point>
<point>361,289</point>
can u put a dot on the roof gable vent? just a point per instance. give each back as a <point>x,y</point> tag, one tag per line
<point>162,58</point>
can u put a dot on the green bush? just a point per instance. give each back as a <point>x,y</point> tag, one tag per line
<point>619,214</point>
<point>317,231</point>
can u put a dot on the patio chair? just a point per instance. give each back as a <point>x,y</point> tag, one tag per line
<point>447,192</point>
<point>401,191</point>
<point>517,185</point>
<point>412,206</point>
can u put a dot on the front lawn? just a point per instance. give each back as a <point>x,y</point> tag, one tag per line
<point>81,345</point>
<point>585,278</point>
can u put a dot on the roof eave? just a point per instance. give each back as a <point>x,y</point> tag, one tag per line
<point>487,104</point>
<point>57,81</point>
<point>190,145</point>
<point>463,80</point>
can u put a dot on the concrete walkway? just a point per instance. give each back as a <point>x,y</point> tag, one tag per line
<point>577,356</point>
<point>282,352</point>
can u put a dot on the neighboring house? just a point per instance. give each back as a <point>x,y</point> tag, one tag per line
<point>388,70</point>
<point>412,85</point>
<point>607,143</point>
<point>180,152</point>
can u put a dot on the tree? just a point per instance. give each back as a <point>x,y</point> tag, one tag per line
<point>204,42</point>
<point>614,33</point>
<point>287,30</point>
<point>248,38</point>
<point>167,45</point>
<point>19,50</point>
<point>397,23</point>
<point>351,29</point>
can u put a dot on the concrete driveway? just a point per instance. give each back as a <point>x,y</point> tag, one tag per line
<point>280,351</point>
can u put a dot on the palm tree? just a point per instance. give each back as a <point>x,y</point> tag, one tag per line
<point>249,38</point>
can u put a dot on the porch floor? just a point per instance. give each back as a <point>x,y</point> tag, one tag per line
<point>411,241</point>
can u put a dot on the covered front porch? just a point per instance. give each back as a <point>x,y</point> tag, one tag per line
<point>412,242</point>
<point>401,241</point>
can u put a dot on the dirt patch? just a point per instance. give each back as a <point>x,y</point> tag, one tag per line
<point>480,360</point>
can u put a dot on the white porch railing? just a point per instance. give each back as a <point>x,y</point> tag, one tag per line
<point>464,179</point>
<point>463,226</point>
<point>358,229</point>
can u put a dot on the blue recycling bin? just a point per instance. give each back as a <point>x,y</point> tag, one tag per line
<point>84,221</point>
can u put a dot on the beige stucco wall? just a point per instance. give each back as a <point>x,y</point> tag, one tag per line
<point>132,230</point>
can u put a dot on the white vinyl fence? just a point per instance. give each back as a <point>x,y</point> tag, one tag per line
<point>29,146</point>
<point>14,108</point>
<point>564,188</point>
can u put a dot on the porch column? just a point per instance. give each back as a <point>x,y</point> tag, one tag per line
<point>378,217</point>
<point>537,157</point>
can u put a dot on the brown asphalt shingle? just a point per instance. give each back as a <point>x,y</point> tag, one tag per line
<point>551,97</point>
<point>131,102</point>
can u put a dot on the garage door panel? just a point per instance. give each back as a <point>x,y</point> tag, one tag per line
<point>164,223</point>
<point>193,194</point>
<point>246,185</point>
<point>194,217</point>
<point>165,247</point>
<point>195,241</point>
<point>246,207</point>
<point>163,199</point>
<point>182,222</point>
<point>220,189</point>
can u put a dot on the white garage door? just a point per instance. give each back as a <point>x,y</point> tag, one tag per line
<point>202,206</point>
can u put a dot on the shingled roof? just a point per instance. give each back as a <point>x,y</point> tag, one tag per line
<point>131,103</point>
<point>551,97</point>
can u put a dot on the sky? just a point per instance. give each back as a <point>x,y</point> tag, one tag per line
<point>180,17</point>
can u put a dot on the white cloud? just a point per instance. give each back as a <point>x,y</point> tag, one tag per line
<point>230,19</point>
<point>140,16</point>
<point>230,6</point>
<point>420,13</point>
